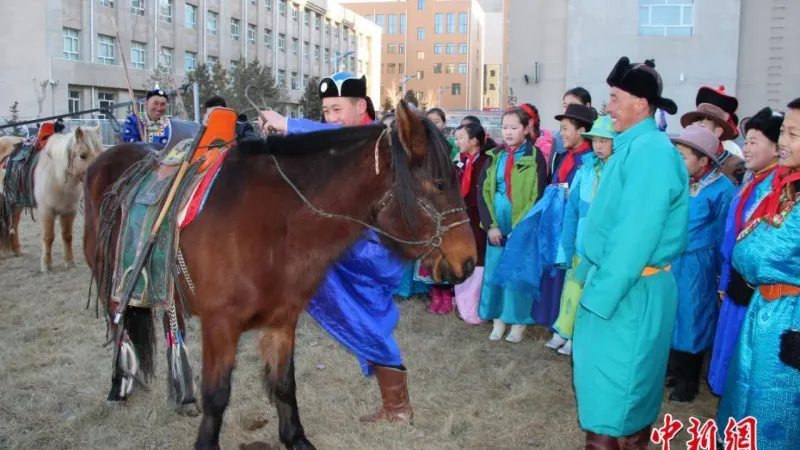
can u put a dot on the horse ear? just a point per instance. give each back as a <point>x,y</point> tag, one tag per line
<point>411,131</point>
<point>79,134</point>
<point>96,130</point>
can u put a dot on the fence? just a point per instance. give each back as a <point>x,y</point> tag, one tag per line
<point>109,129</point>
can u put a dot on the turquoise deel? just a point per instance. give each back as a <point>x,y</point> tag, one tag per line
<point>638,218</point>
<point>697,269</point>
<point>508,305</point>
<point>758,383</point>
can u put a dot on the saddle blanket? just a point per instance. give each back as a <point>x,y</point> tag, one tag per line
<point>141,206</point>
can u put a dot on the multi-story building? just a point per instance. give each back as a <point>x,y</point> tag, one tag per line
<point>748,46</point>
<point>433,47</point>
<point>62,56</point>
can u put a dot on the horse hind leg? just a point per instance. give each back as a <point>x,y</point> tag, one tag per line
<point>277,350</point>
<point>16,217</point>
<point>220,339</point>
<point>48,219</point>
<point>67,222</point>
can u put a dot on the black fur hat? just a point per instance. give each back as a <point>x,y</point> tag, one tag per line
<point>343,84</point>
<point>766,121</point>
<point>641,80</point>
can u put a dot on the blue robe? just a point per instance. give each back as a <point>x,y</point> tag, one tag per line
<point>130,132</point>
<point>758,383</point>
<point>697,268</point>
<point>354,303</point>
<point>731,314</point>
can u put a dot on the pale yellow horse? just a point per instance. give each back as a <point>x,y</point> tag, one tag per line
<point>57,188</point>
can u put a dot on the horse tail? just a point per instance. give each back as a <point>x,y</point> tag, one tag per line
<point>6,226</point>
<point>140,327</point>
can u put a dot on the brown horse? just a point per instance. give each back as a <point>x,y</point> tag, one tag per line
<point>258,251</point>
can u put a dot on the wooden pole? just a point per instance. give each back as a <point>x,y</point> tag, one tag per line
<point>136,113</point>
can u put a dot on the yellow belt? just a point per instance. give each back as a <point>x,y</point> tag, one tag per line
<point>648,271</point>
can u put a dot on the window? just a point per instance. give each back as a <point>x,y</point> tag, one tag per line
<point>189,61</point>
<point>400,68</point>
<point>282,42</point>
<point>191,16</point>
<point>462,48</point>
<point>281,78</point>
<point>137,7</point>
<point>295,85</point>
<point>253,2</point>
<point>232,67</point>
<point>327,27</point>
<point>420,34</point>
<point>371,18</point>
<point>306,51</point>
<point>420,74</point>
<point>165,11</point>
<point>392,24</point>
<point>462,23</point>
<point>251,34</point>
<point>267,38</point>
<point>437,68</point>
<point>390,48</point>
<point>337,30</point>
<point>105,47</point>
<point>317,21</point>
<point>294,46</point>
<point>295,13</point>
<point>282,8</point>
<point>235,29</point>
<point>390,68</point>
<point>212,60</point>
<point>437,49</point>
<point>420,55</point>
<point>316,53</point>
<point>449,68</point>
<point>305,80</point>
<point>352,63</point>
<point>455,89</point>
<point>211,22</point>
<point>437,23</point>
<point>105,100</point>
<point>420,4</point>
<point>109,3</point>
<point>381,20</point>
<point>402,24</point>
<point>268,4</point>
<point>401,48</point>
<point>138,54</point>
<point>327,56</point>
<point>451,23</point>
<point>166,58</point>
<point>450,49</point>
<point>666,17</point>
<point>462,69</point>
<point>492,73</point>
<point>71,44</point>
<point>74,101</point>
<point>306,18</point>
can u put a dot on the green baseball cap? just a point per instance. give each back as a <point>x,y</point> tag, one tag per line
<point>603,127</point>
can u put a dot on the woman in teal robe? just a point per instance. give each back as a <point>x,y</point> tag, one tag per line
<point>637,225</point>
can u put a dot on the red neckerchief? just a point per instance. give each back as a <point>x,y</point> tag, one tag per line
<point>510,166</point>
<point>706,171</point>
<point>365,120</point>
<point>569,161</point>
<point>771,204</point>
<point>466,180</point>
<point>747,192</point>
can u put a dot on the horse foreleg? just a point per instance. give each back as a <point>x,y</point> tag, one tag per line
<point>67,222</point>
<point>220,338</point>
<point>277,349</point>
<point>16,217</point>
<point>48,218</point>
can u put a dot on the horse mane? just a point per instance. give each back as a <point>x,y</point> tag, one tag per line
<point>59,147</point>
<point>305,144</point>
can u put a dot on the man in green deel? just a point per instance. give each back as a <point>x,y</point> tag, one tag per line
<point>637,225</point>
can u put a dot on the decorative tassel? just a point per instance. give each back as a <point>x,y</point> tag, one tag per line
<point>790,348</point>
<point>181,381</point>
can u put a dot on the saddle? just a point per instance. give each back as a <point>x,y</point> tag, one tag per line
<point>143,198</point>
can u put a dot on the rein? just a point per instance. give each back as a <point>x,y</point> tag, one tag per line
<point>435,241</point>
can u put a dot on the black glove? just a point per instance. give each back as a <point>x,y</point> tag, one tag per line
<point>738,290</point>
<point>790,348</point>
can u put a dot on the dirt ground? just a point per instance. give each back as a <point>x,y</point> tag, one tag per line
<point>467,392</point>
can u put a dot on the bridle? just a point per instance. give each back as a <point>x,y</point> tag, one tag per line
<point>438,217</point>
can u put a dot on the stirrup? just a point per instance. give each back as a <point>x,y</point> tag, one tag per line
<point>219,135</point>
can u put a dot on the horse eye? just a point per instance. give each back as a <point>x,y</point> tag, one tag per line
<point>440,185</point>
<point>84,156</point>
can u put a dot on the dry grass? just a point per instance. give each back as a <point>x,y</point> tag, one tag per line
<point>467,392</point>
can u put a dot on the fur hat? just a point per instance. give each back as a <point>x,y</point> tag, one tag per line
<point>641,80</point>
<point>713,113</point>
<point>766,121</point>
<point>720,98</point>
<point>343,84</point>
<point>700,139</point>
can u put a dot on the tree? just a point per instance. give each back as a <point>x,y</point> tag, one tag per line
<point>603,107</point>
<point>387,105</point>
<point>310,102</point>
<point>411,97</point>
<point>244,74</point>
<point>211,80</point>
<point>14,110</point>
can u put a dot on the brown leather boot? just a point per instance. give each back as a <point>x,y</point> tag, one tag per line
<point>637,441</point>
<point>394,394</point>
<point>596,441</point>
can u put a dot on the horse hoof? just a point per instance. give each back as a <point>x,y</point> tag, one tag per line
<point>187,410</point>
<point>301,444</point>
<point>69,264</point>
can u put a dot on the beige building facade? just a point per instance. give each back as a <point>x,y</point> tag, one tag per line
<point>67,55</point>
<point>433,47</point>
